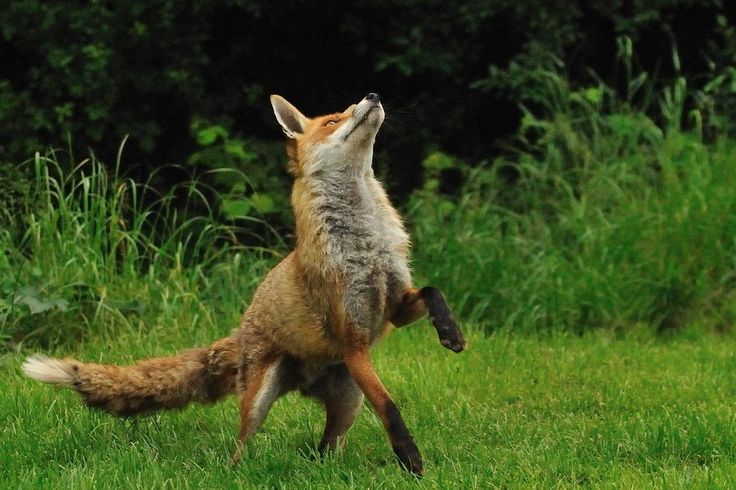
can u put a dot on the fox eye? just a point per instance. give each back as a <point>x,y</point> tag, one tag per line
<point>331,122</point>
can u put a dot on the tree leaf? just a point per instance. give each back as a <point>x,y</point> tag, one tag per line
<point>233,208</point>
<point>207,136</point>
<point>262,202</point>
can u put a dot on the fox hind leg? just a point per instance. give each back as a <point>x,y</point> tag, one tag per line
<point>342,399</point>
<point>260,384</point>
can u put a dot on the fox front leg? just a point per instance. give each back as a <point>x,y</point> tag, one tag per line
<point>418,302</point>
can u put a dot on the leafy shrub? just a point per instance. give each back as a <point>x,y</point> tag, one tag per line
<point>610,221</point>
<point>15,191</point>
<point>98,253</point>
<point>97,71</point>
<point>248,178</point>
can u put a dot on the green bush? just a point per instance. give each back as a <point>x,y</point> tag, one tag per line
<point>248,178</point>
<point>97,252</point>
<point>610,221</point>
<point>93,72</point>
<point>98,71</point>
<point>15,191</point>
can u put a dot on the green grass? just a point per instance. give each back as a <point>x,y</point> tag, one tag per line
<point>510,411</point>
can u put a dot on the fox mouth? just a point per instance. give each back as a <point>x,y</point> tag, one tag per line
<point>359,116</point>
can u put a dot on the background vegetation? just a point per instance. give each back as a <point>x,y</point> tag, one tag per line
<point>452,76</point>
<point>566,172</point>
<point>597,215</point>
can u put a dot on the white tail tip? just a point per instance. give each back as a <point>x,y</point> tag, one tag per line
<point>47,370</point>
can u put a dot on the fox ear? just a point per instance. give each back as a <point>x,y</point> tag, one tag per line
<point>291,120</point>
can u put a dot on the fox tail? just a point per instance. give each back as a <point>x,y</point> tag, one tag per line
<point>202,375</point>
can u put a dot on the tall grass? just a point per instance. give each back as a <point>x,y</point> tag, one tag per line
<point>609,219</point>
<point>97,252</point>
<point>600,216</point>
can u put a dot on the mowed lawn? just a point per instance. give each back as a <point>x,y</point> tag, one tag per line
<point>511,411</point>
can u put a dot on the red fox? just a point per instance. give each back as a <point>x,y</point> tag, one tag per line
<point>315,317</point>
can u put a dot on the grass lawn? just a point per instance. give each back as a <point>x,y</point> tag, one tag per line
<point>511,411</point>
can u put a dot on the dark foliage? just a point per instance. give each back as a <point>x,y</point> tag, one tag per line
<point>449,72</point>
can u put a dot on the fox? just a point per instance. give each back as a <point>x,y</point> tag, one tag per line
<point>314,318</point>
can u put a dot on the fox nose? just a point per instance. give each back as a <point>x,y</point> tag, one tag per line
<point>373,97</point>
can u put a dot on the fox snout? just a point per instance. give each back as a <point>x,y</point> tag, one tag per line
<point>371,100</point>
<point>370,106</point>
<point>373,97</point>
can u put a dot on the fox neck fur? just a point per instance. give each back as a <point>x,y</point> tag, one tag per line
<point>349,238</point>
<point>352,251</point>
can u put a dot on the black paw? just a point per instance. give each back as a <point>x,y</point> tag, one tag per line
<point>409,458</point>
<point>450,335</point>
<point>439,314</point>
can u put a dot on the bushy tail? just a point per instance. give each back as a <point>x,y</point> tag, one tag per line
<point>202,375</point>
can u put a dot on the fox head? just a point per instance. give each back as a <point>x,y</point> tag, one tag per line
<point>339,142</point>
